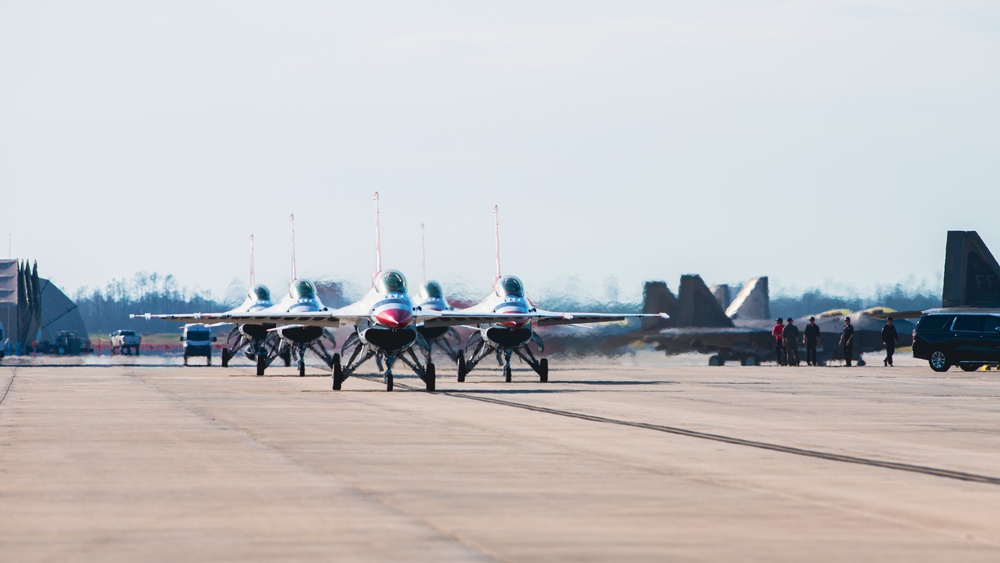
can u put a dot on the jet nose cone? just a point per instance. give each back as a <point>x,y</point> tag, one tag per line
<point>394,317</point>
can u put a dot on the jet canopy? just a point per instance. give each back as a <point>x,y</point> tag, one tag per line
<point>391,281</point>
<point>510,286</point>
<point>302,289</point>
<point>432,290</point>
<point>260,293</point>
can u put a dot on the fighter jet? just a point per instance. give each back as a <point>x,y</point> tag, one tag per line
<point>511,336</point>
<point>251,337</point>
<point>430,297</point>
<point>295,339</point>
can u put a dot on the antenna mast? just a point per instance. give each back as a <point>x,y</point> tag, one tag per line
<point>378,242</point>
<point>496,234</point>
<point>291,217</point>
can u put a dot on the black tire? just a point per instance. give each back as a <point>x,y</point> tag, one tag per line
<point>388,382</point>
<point>225,357</point>
<point>970,367</point>
<point>939,361</point>
<point>338,373</point>
<point>507,373</point>
<point>261,364</point>
<point>431,377</point>
<point>462,371</point>
<point>302,369</point>
<point>543,370</point>
<point>715,360</point>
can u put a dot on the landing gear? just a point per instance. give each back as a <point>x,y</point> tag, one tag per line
<point>302,368</point>
<point>261,363</point>
<point>462,370</point>
<point>431,377</point>
<point>225,357</point>
<point>388,380</point>
<point>338,373</point>
<point>543,370</point>
<point>507,373</point>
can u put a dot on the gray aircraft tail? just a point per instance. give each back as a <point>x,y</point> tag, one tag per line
<point>697,305</point>
<point>971,273</point>
<point>753,302</point>
<point>657,298</point>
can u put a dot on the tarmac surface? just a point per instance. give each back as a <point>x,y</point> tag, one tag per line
<point>133,461</point>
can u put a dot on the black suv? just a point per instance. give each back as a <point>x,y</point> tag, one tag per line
<point>968,339</point>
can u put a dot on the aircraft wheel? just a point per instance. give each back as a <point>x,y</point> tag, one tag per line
<point>302,369</point>
<point>431,377</point>
<point>715,360</point>
<point>261,364</point>
<point>338,373</point>
<point>388,381</point>
<point>543,370</point>
<point>462,371</point>
<point>507,373</point>
<point>939,361</point>
<point>970,367</point>
<point>225,357</point>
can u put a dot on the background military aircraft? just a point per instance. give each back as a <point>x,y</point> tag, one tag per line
<point>742,331</point>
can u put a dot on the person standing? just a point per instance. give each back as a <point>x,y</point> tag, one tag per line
<point>889,339</point>
<point>779,352</point>
<point>810,335</point>
<point>847,340</point>
<point>791,337</point>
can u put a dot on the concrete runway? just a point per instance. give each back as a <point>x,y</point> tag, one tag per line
<point>139,462</point>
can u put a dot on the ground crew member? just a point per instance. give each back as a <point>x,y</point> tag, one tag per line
<point>810,335</point>
<point>847,340</point>
<point>791,337</point>
<point>889,339</point>
<point>779,352</point>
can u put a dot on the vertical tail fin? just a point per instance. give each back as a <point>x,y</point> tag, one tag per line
<point>753,302</point>
<point>971,273</point>
<point>697,307</point>
<point>378,243</point>
<point>496,236</point>
<point>423,258</point>
<point>291,217</point>
<point>252,276</point>
<point>657,298</point>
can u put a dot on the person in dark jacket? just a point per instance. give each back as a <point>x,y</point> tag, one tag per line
<point>889,339</point>
<point>791,337</point>
<point>810,335</point>
<point>847,340</point>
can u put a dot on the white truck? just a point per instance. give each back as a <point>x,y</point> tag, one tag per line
<point>125,342</point>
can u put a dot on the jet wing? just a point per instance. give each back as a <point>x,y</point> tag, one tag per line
<point>550,318</point>
<point>317,318</point>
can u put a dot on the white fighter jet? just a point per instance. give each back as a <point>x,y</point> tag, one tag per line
<point>511,335</point>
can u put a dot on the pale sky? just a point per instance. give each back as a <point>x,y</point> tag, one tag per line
<point>828,143</point>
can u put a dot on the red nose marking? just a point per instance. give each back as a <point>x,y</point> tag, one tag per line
<point>394,318</point>
<point>516,323</point>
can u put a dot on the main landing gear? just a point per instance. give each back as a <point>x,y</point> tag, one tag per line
<point>482,348</point>
<point>361,353</point>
